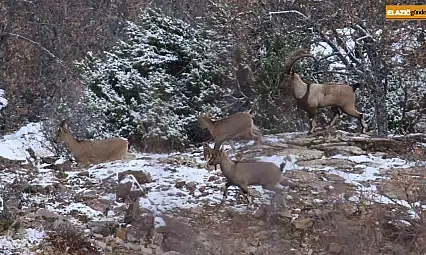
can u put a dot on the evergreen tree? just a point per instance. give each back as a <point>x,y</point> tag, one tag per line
<point>155,82</point>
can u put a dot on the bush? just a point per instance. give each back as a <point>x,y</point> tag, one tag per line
<point>153,84</point>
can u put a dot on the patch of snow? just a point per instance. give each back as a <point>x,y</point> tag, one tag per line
<point>159,222</point>
<point>3,100</point>
<point>31,238</point>
<point>79,207</point>
<point>14,146</point>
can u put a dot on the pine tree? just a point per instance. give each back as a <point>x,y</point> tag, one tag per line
<point>155,82</point>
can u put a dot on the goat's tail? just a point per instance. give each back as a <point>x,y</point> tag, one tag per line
<point>356,86</point>
<point>292,57</point>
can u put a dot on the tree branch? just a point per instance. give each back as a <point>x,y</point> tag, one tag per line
<point>38,45</point>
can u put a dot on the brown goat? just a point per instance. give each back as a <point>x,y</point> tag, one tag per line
<point>88,152</point>
<point>310,97</point>
<point>238,125</point>
<point>242,174</point>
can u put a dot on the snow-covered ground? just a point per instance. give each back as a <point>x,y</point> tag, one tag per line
<point>164,195</point>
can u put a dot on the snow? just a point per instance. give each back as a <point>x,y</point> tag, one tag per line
<point>14,146</point>
<point>163,195</point>
<point>31,237</point>
<point>3,100</point>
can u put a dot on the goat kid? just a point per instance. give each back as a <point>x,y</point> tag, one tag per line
<point>88,152</point>
<point>238,125</point>
<point>310,97</point>
<point>242,174</point>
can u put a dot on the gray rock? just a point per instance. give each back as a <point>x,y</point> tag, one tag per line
<point>104,228</point>
<point>177,236</point>
<point>44,213</point>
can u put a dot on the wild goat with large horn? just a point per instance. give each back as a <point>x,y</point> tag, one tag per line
<point>310,97</point>
<point>88,152</point>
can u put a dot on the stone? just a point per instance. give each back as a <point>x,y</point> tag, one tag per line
<point>335,248</point>
<point>123,190</point>
<point>121,233</point>
<point>303,223</point>
<point>190,186</point>
<point>260,212</point>
<point>140,176</point>
<point>141,222</point>
<point>104,228</point>
<point>213,178</point>
<point>177,236</point>
<point>44,213</point>
<point>180,184</point>
<point>101,205</point>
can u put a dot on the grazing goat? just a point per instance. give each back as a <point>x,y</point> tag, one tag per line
<point>310,97</point>
<point>238,125</point>
<point>242,174</point>
<point>88,152</point>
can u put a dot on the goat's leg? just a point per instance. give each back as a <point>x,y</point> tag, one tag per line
<point>225,192</point>
<point>232,142</point>
<point>312,122</point>
<point>360,116</point>
<point>257,134</point>
<point>217,145</point>
<point>246,192</point>
<point>337,113</point>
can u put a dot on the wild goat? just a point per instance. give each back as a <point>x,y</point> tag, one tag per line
<point>242,174</point>
<point>88,152</point>
<point>238,125</point>
<point>310,97</point>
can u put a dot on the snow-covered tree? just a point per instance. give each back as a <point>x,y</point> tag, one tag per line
<point>155,82</point>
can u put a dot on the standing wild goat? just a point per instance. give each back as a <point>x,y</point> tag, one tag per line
<point>88,152</point>
<point>310,97</point>
<point>242,174</point>
<point>238,125</point>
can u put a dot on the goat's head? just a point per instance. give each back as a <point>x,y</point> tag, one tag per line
<point>204,119</point>
<point>207,151</point>
<point>62,131</point>
<point>217,158</point>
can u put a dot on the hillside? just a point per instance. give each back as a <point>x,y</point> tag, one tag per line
<point>344,193</point>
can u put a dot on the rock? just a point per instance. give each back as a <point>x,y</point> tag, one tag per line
<point>142,222</point>
<point>177,236</point>
<point>88,194</point>
<point>141,177</point>
<point>101,205</point>
<point>303,223</point>
<point>62,225</point>
<point>141,228</point>
<point>180,184</point>
<point>84,174</point>
<point>104,228</point>
<point>190,186</point>
<point>202,188</point>
<point>123,190</point>
<point>213,178</point>
<point>260,212</point>
<point>44,213</point>
<point>121,233</point>
<point>279,200</point>
<point>335,248</point>
<point>99,244</point>
<point>171,253</point>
